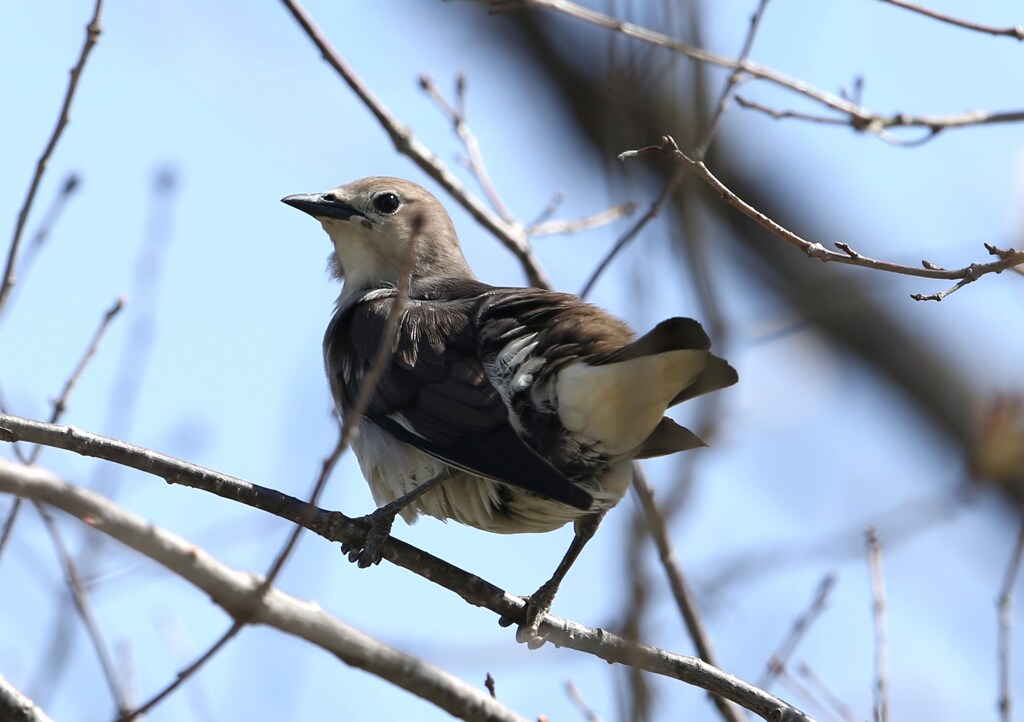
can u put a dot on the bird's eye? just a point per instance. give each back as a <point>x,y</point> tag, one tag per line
<point>386,202</point>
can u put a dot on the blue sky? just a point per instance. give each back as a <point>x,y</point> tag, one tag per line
<point>812,446</point>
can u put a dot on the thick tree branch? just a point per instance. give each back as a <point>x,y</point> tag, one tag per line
<point>16,707</point>
<point>237,593</point>
<point>335,526</point>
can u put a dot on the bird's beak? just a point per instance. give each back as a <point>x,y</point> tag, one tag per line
<point>321,205</point>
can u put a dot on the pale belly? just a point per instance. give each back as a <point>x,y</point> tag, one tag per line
<point>393,469</point>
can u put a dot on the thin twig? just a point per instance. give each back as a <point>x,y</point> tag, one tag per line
<point>780,657</point>
<point>817,684</point>
<point>677,583</point>
<point>84,607</point>
<point>734,79</point>
<point>634,230</point>
<point>59,406</point>
<point>547,212</point>
<point>881,125</point>
<point>785,114</point>
<point>326,467</point>
<point>587,223</point>
<point>801,691</point>
<point>122,404</point>
<point>73,578</point>
<point>456,114</point>
<point>881,688</point>
<point>1014,32</point>
<point>1006,627</point>
<point>512,236</point>
<point>50,218</point>
<point>237,626</point>
<point>232,590</point>
<point>846,255</point>
<point>335,527</point>
<point>475,158</point>
<point>578,700</point>
<point>92,35</point>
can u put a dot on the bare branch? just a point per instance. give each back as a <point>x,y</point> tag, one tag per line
<point>1006,627</point>
<point>784,114</point>
<point>634,230</point>
<point>734,79</point>
<point>677,583</point>
<point>860,118</point>
<point>880,125</point>
<point>512,236</point>
<point>92,35</point>
<point>235,593</point>
<point>59,406</point>
<point>881,707</point>
<point>967,274</point>
<point>578,225</point>
<point>335,526</point>
<point>457,115</point>
<point>588,714</point>
<point>818,685</point>
<point>83,606</point>
<point>1014,32</point>
<point>780,657</point>
<point>46,225</point>
<point>16,707</point>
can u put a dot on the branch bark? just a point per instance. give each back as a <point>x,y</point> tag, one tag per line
<point>335,526</point>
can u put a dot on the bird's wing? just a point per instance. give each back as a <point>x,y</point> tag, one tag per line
<point>435,395</point>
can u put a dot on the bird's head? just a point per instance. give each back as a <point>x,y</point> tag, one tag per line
<point>371,223</point>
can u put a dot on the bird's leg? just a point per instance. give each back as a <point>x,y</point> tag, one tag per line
<point>538,603</point>
<point>379,524</point>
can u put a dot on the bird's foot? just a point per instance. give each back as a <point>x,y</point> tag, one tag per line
<point>537,605</point>
<point>378,529</point>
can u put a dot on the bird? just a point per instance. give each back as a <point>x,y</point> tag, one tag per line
<point>507,409</point>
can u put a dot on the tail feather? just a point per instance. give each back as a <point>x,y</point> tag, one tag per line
<point>667,438</point>
<point>717,375</point>
<point>674,334</point>
<point>618,399</point>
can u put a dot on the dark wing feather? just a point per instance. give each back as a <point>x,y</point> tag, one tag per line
<point>435,395</point>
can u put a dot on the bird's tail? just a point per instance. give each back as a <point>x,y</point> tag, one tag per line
<point>619,399</point>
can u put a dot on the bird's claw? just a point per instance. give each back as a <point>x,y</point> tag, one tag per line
<point>537,605</point>
<point>371,551</point>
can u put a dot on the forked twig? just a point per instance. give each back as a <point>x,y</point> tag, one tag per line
<point>512,236</point>
<point>846,254</point>
<point>734,79</point>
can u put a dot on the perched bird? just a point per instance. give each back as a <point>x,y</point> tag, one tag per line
<point>508,409</point>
